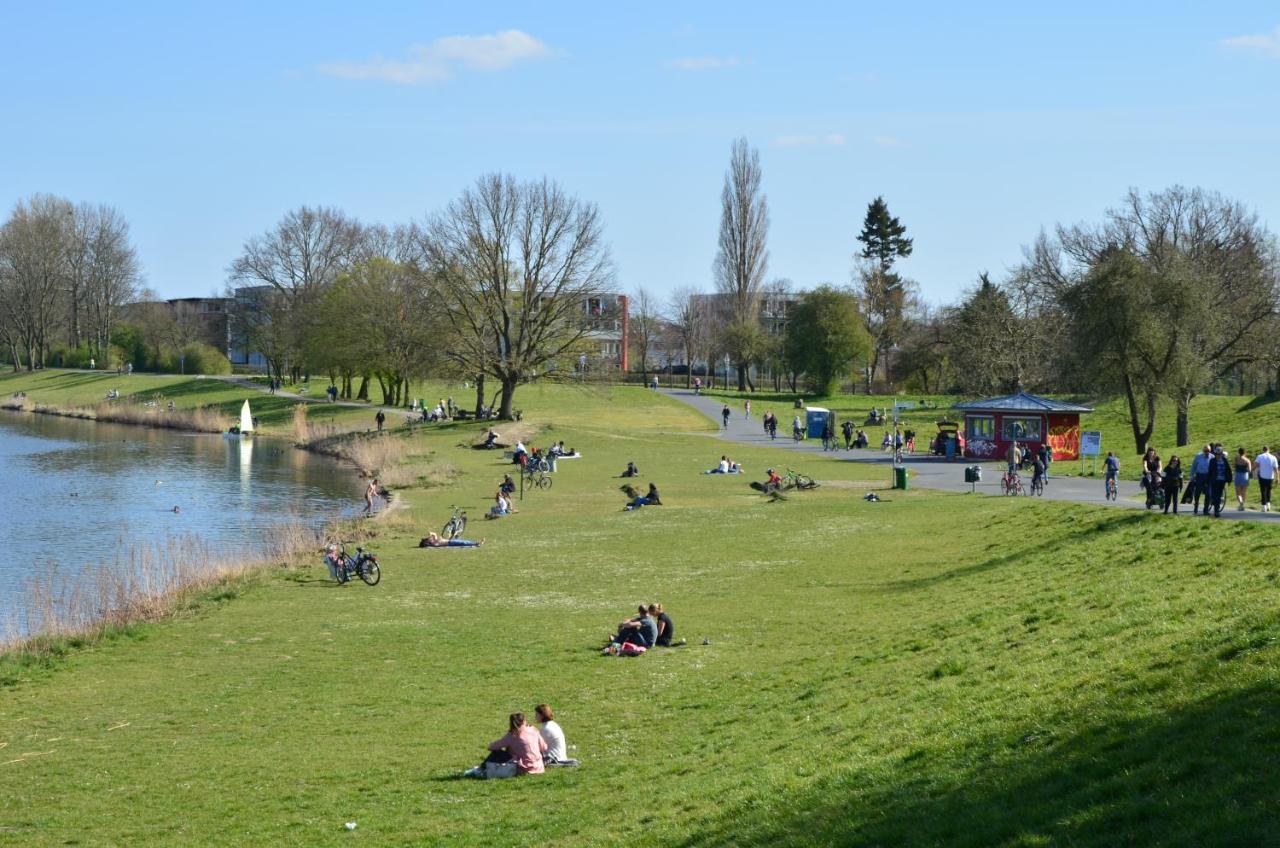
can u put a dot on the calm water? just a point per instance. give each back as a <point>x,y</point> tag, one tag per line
<point>77,492</point>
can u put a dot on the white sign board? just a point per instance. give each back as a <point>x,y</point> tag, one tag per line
<point>1091,443</point>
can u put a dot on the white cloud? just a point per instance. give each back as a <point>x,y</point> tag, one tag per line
<point>703,63</point>
<point>829,140</point>
<point>441,59</point>
<point>1268,43</point>
<point>887,141</point>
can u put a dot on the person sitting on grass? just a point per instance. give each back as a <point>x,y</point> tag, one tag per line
<point>648,499</point>
<point>641,629</point>
<point>490,440</point>
<point>632,470</point>
<point>501,506</point>
<point>666,627</point>
<point>519,752</point>
<point>722,468</point>
<point>435,540</point>
<point>557,753</point>
<point>774,483</point>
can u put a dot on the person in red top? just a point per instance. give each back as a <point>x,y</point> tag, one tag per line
<point>773,483</point>
<point>523,747</point>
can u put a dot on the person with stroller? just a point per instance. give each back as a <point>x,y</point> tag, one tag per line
<point>1152,479</point>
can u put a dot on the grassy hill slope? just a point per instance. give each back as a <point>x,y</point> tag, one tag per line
<point>933,669</point>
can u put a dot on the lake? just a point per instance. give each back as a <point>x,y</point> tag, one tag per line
<point>79,493</point>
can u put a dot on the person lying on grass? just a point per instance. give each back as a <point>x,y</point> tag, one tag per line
<point>517,753</point>
<point>649,499</point>
<point>435,540</point>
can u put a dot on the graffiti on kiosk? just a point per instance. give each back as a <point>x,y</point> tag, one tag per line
<point>1065,441</point>
<point>982,447</point>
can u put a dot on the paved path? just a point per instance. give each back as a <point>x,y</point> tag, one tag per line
<point>928,471</point>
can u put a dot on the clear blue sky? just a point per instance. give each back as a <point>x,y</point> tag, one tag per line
<point>204,124</point>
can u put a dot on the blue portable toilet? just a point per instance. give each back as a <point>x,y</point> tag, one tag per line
<point>815,421</point>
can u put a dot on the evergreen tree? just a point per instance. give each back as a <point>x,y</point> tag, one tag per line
<point>885,295</point>
<point>883,236</point>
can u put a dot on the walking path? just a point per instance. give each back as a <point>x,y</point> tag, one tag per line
<point>928,471</point>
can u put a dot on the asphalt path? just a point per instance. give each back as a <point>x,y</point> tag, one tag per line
<point>930,472</point>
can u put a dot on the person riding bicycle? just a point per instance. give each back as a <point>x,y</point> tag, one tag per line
<point>797,431</point>
<point>1037,473</point>
<point>1111,466</point>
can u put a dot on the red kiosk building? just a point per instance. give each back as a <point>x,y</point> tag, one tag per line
<point>991,425</point>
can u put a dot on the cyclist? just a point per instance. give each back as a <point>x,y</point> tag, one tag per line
<point>1111,466</point>
<point>1038,474</point>
<point>797,431</point>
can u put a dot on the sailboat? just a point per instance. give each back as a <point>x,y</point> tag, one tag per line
<point>245,429</point>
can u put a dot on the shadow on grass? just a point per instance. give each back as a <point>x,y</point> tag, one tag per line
<point>1203,774</point>
<point>1089,532</point>
<point>1259,402</point>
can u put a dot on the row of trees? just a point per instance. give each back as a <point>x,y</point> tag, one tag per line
<point>490,289</point>
<point>66,272</point>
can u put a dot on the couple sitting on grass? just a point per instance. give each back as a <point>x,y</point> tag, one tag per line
<point>525,749</point>
<point>501,503</point>
<point>726,466</point>
<point>638,500</point>
<point>649,627</point>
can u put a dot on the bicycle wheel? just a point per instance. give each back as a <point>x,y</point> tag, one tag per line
<point>449,529</point>
<point>370,573</point>
<point>544,482</point>
<point>805,482</point>
<point>342,574</point>
<point>1004,485</point>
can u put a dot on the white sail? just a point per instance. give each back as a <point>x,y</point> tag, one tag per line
<point>246,419</point>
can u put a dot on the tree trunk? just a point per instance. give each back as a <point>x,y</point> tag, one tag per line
<point>1141,434</point>
<point>363,393</point>
<point>17,360</point>
<point>742,378</point>
<point>1184,417</point>
<point>479,395</point>
<point>871,369</point>
<point>508,395</point>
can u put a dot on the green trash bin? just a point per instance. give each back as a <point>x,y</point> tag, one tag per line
<point>899,477</point>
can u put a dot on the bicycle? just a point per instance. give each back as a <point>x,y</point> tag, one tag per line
<point>1037,486</point>
<point>455,525</point>
<point>1011,484</point>
<point>537,479</point>
<point>795,480</point>
<point>364,565</point>
<point>1112,490</point>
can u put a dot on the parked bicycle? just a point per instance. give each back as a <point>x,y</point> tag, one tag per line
<point>1011,484</point>
<point>1037,486</point>
<point>455,525</point>
<point>343,566</point>
<point>537,479</point>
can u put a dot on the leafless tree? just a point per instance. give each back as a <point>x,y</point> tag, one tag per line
<point>297,259</point>
<point>515,265</point>
<point>33,273</point>
<point>646,327</point>
<point>688,318</point>
<point>105,265</point>
<point>743,255</point>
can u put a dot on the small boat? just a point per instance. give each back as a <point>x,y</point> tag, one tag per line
<point>245,429</point>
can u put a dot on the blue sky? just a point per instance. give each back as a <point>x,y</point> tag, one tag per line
<point>204,124</point>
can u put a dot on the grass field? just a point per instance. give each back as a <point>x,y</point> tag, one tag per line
<point>930,670</point>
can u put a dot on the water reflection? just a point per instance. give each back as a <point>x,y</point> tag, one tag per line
<point>74,492</point>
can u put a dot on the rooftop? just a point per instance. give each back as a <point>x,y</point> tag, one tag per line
<point>1020,402</point>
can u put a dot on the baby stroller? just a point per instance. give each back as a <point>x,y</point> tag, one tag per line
<point>1155,490</point>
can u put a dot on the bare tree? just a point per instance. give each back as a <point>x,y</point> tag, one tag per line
<point>106,266</point>
<point>515,266</point>
<point>33,272</point>
<point>689,320</point>
<point>743,255</point>
<point>646,327</point>
<point>297,260</point>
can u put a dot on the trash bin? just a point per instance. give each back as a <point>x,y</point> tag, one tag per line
<point>900,477</point>
<point>973,474</point>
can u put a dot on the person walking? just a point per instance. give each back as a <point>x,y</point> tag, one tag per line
<point>1243,471</point>
<point>847,429</point>
<point>1046,457</point>
<point>370,492</point>
<point>1219,476</point>
<point>1265,466</point>
<point>724,416</point>
<point>381,418</point>
<point>1172,484</point>
<point>1200,480</point>
<point>746,409</point>
<point>1151,469</point>
<point>1111,472</point>
<point>1014,458</point>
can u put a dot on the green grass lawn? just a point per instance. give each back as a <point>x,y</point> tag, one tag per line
<point>930,670</point>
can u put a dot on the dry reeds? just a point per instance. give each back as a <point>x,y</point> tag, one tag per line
<point>142,583</point>
<point>201,419</point>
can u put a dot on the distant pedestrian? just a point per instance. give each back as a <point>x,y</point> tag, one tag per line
<point>1172,484</point>
<point>370,492</point>
<point>724,416</point>
<point>1046,456</point>
<point>1243,471</point>
<point>847,429</point>
<point>829,434</point>
<point>93,363</point>
<point>1199,485</point>
<point>654,382</point>
<point>381,418</point>
<point>746,408</point>
<point>1265,466</point>
<point>1219,476</point>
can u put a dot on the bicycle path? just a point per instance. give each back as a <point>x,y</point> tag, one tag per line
<point>930,472</point>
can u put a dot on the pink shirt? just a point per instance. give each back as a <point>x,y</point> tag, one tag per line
<point>525,746</point>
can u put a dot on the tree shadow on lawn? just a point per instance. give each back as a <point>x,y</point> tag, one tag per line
<point>1204,774</point>
<point>1259,402</point>
<point>1031,553</point>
